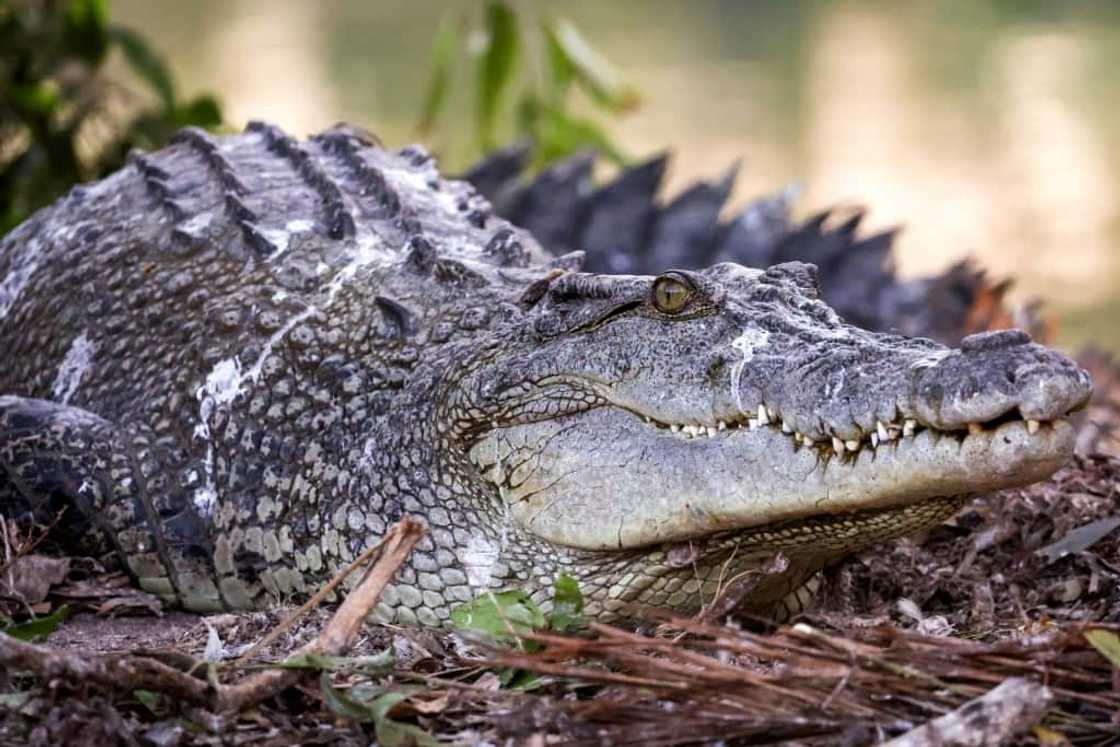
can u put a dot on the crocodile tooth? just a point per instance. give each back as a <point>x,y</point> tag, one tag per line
<point>763,417</point>
<point>1032,426</point>
<point>974,428</point>
<point>711,432</point>
<point>908,427</point>
<point>752,423</point>
<point>773,414</point>
<point>786,428</point>
<point>881,431</point>
<point>674,428</point>
<point>721,425</point>
<point>874,440</point>
<point>837,445</point>
<point>852,445</point>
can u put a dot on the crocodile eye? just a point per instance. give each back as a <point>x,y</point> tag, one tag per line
<point>671,294</point>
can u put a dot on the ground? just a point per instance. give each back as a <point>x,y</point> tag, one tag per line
<point>899,635</point>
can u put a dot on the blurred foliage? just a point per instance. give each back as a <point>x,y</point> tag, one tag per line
<point>372,704</point>
<point>40,627</point>
<point>63,117</point>
<point>69,113</point>
<point>523,72</point>
<point>510,614</point>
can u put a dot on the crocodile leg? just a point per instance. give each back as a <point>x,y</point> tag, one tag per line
<point>57,458</point>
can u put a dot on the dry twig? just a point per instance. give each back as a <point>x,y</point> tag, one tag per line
<point>988,721</point>
<point>131,672</point>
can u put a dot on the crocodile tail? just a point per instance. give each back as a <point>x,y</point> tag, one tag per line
<point>624,227</point>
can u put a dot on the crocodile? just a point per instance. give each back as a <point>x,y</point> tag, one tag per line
<point>624,227</point>
<point>236,361</point>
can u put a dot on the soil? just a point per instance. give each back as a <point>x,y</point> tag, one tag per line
<point>1019,573</point>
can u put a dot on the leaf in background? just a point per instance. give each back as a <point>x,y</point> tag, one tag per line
<point>392,733</point>
<point>1107,642</point>
<point>443,61</point>
<point>567,604</point>
<point>495,68</point>
<point>202,111</point>
<point>558,135</point>
<point>341,704</point>
<point>40,628</point>
<point>560,66</point>
<point>146,63</point>
<point>573,58</point>
<point>83,29</point>
<point>1079,539</point>
<point>370,665</point>
<point>151,700</point>
<point>40,99</point>
<point>503,615</point>
<point>17,702</point>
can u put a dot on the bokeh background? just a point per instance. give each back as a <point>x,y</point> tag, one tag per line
<point>987,128</point>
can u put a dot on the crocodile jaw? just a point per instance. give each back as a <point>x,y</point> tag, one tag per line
<point>651,487</point>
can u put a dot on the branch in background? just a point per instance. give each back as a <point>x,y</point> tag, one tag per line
<point>509,102</point>
<point>62,119</point>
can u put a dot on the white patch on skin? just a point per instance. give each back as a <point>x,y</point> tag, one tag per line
<point>746,343</point>
<point>74,365</point>
<point>281,238</point>
<point>197,223</point>
<point>224,382</point>
<point>12,286</point>
<point>221,387</point>
<point>278,238</point>
<point>478,559</point>
<point>24,263</point>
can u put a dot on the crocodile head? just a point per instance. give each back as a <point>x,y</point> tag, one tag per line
<point>663,435</point>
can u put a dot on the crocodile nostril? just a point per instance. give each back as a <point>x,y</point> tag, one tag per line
<point>1003,338</point>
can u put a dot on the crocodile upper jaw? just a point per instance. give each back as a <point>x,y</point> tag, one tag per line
<point>653,485</point>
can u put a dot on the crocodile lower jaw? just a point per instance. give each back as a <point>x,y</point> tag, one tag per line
<point>603,479</point>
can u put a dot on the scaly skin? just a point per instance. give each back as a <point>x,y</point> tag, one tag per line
<point>238,360</point>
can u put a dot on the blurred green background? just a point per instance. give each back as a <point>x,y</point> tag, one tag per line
<point>988,128</point>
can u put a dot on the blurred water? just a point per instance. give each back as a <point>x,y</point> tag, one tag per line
<point>988,128</point>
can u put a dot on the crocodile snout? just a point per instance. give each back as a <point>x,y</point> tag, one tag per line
<point>995,375</point>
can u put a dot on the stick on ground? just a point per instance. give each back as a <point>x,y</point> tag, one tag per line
<point>130,672</point>
<point>990,720</point>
